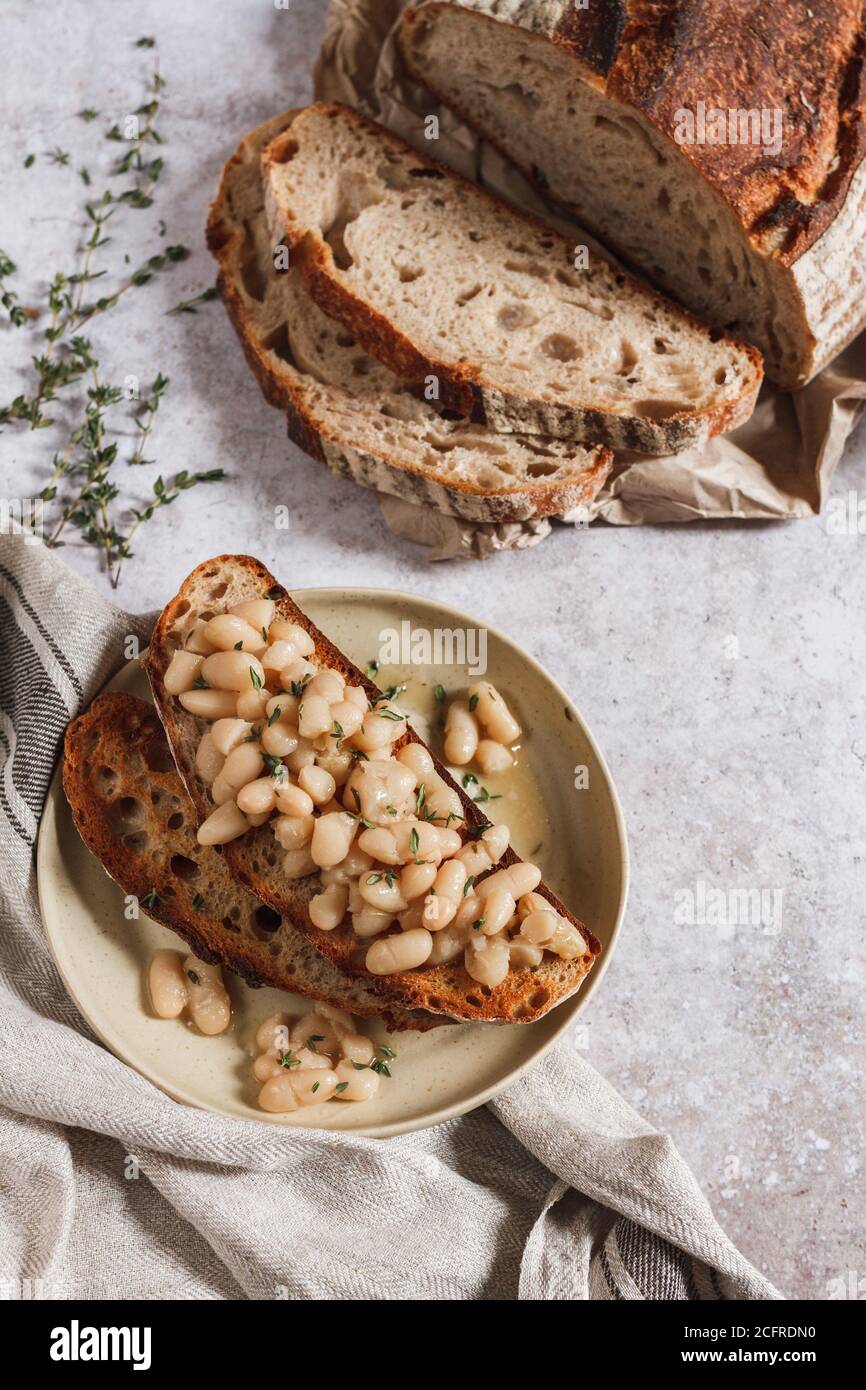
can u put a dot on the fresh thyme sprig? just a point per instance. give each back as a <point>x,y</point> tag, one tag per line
<point>8,298</point>
<point>83,477</point>
<point>190,306</point>
<point>145,420</point>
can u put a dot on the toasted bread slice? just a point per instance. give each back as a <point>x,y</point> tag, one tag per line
<point>255,859</point>
<point>133,812</point>
<point>440,280</point>
<point>349,411</point>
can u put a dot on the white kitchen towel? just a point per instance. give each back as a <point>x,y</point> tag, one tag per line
<point>109,1189</point>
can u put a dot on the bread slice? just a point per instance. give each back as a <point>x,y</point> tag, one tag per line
<point>593,103</point>
<point>255,859</point>
<point>441,281</point>
<point>349,411</point>
<point>133,812</point>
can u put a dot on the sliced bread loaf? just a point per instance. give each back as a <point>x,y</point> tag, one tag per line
<point>255,861</point>
<point>717,147</point>
<point>444,283</point>
<point>348,410</point>
<point>133,812</point>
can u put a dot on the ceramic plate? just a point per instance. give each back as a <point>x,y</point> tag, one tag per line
<point>576,836</point>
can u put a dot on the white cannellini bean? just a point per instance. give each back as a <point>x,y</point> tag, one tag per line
<point>297,673</point>
<point>292,800</point>
<point>258,612</point>
<point>329,684</point>
<point>208,759</point>
<point>256,798</point>
<point>532,902</point>
<point>279,740</point>
<point>417,759</point>
<point>356,695</point>
<point>196,641</point>
<point>440,907</point>
<point>354,864</point>
<point>317,783</point>
<point>298,863</point>
<point>294,832</point>
<point>357,1047</point>
<point>339,764</point>
<point>266,1066</point>
<point>278,656</point>
<point>493,757</point>
<point>252,704</point>
<point>492,713</point>
<point>525,878</point>
<point>210,704</point>
<point>314,1087</point>
<point>370,922</point>
<point>243,764</point>
<point>209,1005</point>
<point>303,756</point>
<point>328,908</point>
<point>539,927</point>
<point>353,1084</point>
<point>225,631</point>
<point>310,1061</point>
<point>286,631</point>
<point>461,734</point>
<point>567,941</point>
<point>181,672</point>
<point>470,911</point>
<point>496,839</point>
<point>222,791</point>
<point>236,671</point>
<point>277,1096</point>
<point>391,954</point>
<point>222,825</point>
<point>273,1033</point>
<point>285,706</point>
<point>442,801</point>
<point>317,1032</point>
<point>348,716</point>
<point>167,984</point>
<point>487,960</point>
<point>332,838</point>
<point>499,908</point>
<point>381,726</point>
<point>416,880</point>
<point>524,954</point>
<point>382,893</point>
<point>228,734</point>
<point>447,945</point>
<point>475,858</point>
<point>314,716</point>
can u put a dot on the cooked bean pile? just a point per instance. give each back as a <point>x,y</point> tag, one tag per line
<point>294,744</point>
<point>319,1057</point>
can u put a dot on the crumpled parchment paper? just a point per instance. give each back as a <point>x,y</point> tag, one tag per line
<point>778,466</point>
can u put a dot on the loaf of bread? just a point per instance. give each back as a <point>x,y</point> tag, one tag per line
<point>348,410</point>
<point>716,145</point>
<point>447,285</point>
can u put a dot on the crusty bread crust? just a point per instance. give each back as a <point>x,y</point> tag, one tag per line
<point>134,814</point>
<point>465,387</point>
<point>802,211</point>
<point>284,387</point>
<point>254,860</point>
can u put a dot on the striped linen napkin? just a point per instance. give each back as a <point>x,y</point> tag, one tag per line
<point>556,1190</point>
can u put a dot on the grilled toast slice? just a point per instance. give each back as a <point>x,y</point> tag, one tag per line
<point>255,860</point>
<point>133,812</point>
<point>349,411</point>
<point>440,280</point>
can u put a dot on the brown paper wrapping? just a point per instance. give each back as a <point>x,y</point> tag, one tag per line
<point>778,466</point>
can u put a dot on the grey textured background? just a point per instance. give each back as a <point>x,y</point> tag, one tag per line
<point>721,669</point>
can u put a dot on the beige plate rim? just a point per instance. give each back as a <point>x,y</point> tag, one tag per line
<point>567,1010</point>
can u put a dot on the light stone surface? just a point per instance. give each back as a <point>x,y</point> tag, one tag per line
<point>722,669</point>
